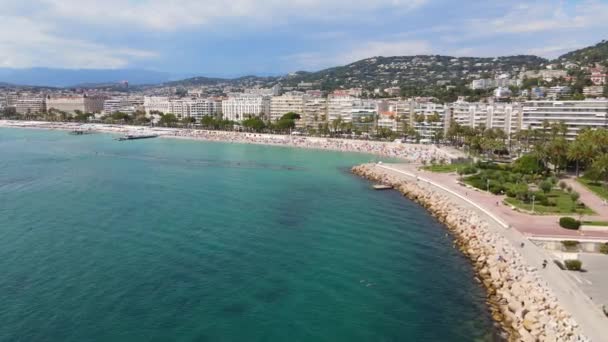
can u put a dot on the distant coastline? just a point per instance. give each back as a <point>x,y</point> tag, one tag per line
<point>415,153</point>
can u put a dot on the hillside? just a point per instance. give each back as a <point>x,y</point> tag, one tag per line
<point>415,71</point>
<point>388,71</point>
<point>592,54</point>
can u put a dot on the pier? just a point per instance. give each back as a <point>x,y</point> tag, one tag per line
<point>136,137</point>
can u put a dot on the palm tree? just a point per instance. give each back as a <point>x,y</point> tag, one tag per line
<point>600,166</point>
<point>579,151</point>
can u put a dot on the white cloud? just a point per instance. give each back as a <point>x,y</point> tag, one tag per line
<point>544,16</point>
<point>358,51</point>
<point>177,14</point>
<point>37,45</point>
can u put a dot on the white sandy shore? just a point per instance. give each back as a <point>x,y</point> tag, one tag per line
<point>409,152</point>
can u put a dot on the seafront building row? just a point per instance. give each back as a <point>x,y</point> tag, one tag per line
<point>424,116</point>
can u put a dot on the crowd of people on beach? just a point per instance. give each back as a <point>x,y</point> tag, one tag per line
<point>417,153</point>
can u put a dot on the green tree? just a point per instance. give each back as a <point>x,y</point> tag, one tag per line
<point>254,124</point>
<point>546,186</point>
<point>600,168</point>
<point>168,120</point>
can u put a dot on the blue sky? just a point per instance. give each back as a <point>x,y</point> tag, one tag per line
<point>232,38</point>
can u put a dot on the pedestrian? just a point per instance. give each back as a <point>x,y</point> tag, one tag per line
<point>522,245</point>
<point>497,203</point>
<point>544,263</point>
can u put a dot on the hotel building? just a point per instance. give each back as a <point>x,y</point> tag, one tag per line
<point>240,106</point>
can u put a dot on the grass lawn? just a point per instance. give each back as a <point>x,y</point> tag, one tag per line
<point>443,168</point>
<point>563,205</point>
<point>598,188</point>
<point>595,223</point>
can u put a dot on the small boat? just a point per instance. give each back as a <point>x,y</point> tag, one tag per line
<point>382,187</point>
<point>81,132</point>
<point>135,137</point>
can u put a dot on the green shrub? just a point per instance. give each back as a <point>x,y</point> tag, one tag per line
<point>468,170</point>
<point>604,248</point>
<point>569,244</point>
<point>545,201</point>
<point>562,185</point>
<point>569,223</point>
<point>573,265</point>
<point>528,164</point>
<point>496,189</point>
<point>546,186</point>
<point>540,197</point>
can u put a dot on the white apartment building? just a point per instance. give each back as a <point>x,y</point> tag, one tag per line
<point>486,83</point>
<point>340,106</point>
<point>546,75</point>
<point>182,108</point>
<point>123,104</point>
<point>577,115</point>
<point>280,105</point>
<point>426,129</point>
<point>240,106</point>
<point>314,112</point>
<point>71,104</point>
<point>30,105</point>
<point>558,92</point>
<point>505,116</point>
<point>363,113</point>
<point>205,107</point>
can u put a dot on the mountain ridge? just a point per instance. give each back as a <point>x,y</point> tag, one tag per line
<point>402,71</point>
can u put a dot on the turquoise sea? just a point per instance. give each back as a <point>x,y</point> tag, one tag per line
<point>171,240</point>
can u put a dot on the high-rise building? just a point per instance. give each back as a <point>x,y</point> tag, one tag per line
<point>30,104</point>
<point>182,108</point>
<point>240,106</point>
<point>290,102</point>
<point>576,115</point>
<point>71,104</point>
<point>505,116</point>
<point>123,104</point>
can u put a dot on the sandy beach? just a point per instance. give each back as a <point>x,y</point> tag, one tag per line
<point>415,153</point>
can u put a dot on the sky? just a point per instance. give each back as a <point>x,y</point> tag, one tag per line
<point>270,37</point>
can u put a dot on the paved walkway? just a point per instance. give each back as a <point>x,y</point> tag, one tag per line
<point>572,298</point>
<point>590,199</point>
<point>530,225</point>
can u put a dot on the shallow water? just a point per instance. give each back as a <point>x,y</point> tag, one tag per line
<point>173,240</point>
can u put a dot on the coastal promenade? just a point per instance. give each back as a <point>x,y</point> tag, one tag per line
<point>541,226</point>
<point>516,230</point>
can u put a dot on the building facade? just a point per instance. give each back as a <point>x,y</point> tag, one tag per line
<point>281,105</point>
<point>242,106</point>
<point>576,115</point>
<point>30,105</point>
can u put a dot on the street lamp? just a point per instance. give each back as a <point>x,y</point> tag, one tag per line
<point>533,198</point>
<point>488,185</point>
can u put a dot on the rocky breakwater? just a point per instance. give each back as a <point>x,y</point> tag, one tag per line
<point>519,299</point>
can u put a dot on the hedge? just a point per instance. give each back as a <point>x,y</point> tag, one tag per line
<point>569,223</point>
<point>573,265</point>
<point>604,248</point>
<point>570,243</point>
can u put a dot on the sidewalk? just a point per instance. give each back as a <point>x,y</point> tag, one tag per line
<point>530,225</point>
<point>572,298</point>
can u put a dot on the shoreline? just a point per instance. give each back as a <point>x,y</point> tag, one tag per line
<point>518,299</point>
<point>415,153</point>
